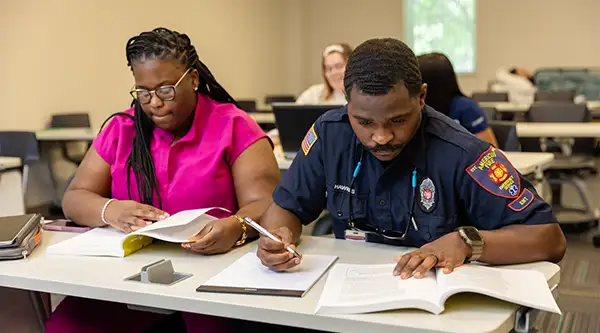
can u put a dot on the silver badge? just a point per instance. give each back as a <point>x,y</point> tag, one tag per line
<point>427,190</point>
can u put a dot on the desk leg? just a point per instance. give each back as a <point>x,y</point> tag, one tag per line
<point>40,309</point>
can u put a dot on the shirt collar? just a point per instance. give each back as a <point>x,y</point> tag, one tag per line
<point>201,114</point>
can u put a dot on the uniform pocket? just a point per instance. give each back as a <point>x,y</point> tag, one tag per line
<point>432,227</point>
<point>338,204</point>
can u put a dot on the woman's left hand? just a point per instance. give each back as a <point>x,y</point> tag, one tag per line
<point>216,237</point>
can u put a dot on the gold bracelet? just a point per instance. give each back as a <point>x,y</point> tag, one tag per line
<point>242,239</point>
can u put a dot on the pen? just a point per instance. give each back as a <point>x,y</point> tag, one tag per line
<point>264,231</point>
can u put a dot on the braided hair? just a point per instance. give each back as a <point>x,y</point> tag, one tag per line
<point>378,64</point>
<point>160,44</point>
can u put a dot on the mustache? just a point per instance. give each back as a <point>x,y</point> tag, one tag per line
<point>385,148</point>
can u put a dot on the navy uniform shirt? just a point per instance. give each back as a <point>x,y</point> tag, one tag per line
<point>460,180</point>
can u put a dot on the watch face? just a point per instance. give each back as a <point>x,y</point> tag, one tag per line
<point>472,234</point>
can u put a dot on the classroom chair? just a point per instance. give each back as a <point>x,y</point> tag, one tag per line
<point>506,135</point>
<point>567,169</point>
<point>71,120</point>
<point>565,96</point>
<point>488,96</point>
<point>248,105</point>
<point>490,113</point>
<point>270,99</point>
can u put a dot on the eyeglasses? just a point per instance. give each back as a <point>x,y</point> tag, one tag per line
<point>165,93</point>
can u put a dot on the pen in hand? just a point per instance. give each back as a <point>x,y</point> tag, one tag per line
<point>266,233</point>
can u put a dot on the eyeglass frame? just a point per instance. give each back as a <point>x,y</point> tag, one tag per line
<point>133,92</point>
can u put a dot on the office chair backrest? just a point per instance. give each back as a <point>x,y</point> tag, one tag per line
<point>23,145</point>
<point>564,113</point>
<point>566,96</point>
<point>270,99</point>
<point>488,96</point>
<point>490,112</point>
<point>70,120</point>
<point>558,113</point>
<point>248,105</point>
<point>506,134</point>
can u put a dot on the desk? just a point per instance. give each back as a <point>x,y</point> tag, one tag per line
<point>526,163</point>
<point>558,130</point>
<point>265,117</point>
<point>66,134</point>
<point>593,106</point>
<point>9,162</point>
<point>102,278</point>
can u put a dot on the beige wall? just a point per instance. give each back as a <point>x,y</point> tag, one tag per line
<point>531,33</point>
<point>68,55</point>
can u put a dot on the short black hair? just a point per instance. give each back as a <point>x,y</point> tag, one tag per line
<point>378,64</point>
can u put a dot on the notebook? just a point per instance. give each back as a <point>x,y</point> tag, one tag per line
<point>107,241</point>
<point>352,289</point>
<point>248,275</point>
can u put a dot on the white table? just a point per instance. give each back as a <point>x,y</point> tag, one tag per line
<point>593,106</point>
<point>102,278</point>
<point>263,117</point>
<point>526,163</point>
<point>558,130</point>
<point>9,162</point>
<point>66,134</point>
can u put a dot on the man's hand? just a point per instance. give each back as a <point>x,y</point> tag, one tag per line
<point>274,254</point>
<point>449,251</point>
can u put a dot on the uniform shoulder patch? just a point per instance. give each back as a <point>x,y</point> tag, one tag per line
<point>309,140</point>
<point>494,172</point>
<point>524,200</point>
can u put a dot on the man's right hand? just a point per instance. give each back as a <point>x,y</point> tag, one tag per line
<point>274,254</point>
<point>129,215</point>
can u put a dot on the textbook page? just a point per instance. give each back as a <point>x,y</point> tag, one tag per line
<point>354,289</point>
<point>248,275</point>
<point>178,228</point>
<point>524,287</point>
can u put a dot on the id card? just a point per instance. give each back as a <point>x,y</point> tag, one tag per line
<point>355,235</point>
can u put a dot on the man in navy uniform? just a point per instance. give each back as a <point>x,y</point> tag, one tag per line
<point>390,169</point>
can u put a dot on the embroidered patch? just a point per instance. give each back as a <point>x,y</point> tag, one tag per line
<point>427,195</point>
<point>309,140</point>
<point>524,200</point>
<point>495,174</point>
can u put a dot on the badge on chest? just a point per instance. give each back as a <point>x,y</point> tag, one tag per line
<point>427,195</point>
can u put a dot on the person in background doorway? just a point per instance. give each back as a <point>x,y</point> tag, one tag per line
<point>331,91</point>
<point>517,82</point>
<point>445,96</point>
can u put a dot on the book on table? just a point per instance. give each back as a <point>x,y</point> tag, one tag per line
<point>352,289</point>
<point>108,241</point>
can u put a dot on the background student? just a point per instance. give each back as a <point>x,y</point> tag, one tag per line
<point>331,91</point>
<point>184,145</point>
<point>444,95</point>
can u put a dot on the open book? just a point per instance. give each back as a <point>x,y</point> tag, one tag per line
<point>352,289</point>
<point>107,241</point>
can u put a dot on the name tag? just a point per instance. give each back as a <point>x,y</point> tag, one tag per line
<point>355,235</point>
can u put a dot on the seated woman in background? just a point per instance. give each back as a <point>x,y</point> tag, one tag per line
<point>517,82</point>
<point>444,95</point>
<point>183,145</point>
<point>331,91</point>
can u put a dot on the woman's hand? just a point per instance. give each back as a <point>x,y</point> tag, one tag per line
<point>216,237</point>
<point>129,215</point>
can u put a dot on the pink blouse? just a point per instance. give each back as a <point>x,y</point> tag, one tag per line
<point>196,171</point>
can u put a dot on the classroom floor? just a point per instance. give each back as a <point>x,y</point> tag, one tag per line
<point>579,290</point>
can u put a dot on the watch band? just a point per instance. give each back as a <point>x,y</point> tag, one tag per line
<point>244,235</point>
<point>476,252</point>
<point>476,246</point>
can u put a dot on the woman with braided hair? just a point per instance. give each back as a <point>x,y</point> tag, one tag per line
<point>183,145</point>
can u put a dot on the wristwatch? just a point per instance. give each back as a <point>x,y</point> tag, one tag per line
<point>473,238</point>
<point>244,235</point>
